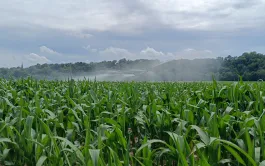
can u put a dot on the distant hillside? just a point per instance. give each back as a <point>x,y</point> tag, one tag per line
<point>80,70</point>
<point>251,66</point>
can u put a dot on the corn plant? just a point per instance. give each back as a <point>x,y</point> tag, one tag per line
<point>131,123</point>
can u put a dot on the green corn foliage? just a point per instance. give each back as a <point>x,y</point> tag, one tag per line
<point>131,123</point>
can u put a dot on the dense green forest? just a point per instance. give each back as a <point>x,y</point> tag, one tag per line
<point>250,65</point>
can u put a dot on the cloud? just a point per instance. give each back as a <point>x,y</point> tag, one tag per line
<point>45,49</point>
<point>151,53</point>
<point>11,59</point>
<point>15,59</point>
<point>88,47</point>
<point>33,58</point>
<point>167,26</point>
<point>208,51</point>
<point>134,16</point>
<point>114,53</point>
<point>80,35</point>
<point>212,15</point>
<point>191,53</point>
<point>189,49</point>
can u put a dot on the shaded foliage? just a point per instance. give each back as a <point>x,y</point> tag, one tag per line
<point>251,66</point>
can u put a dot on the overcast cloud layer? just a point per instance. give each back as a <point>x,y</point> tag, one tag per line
<point>55,31</point>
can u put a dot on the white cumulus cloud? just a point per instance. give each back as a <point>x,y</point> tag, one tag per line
<point>151,53</point>
<point>35,58</point>
<point>114,53</point>
<point>45,49</point>
<point>88,48</point>
<point>81,35</point>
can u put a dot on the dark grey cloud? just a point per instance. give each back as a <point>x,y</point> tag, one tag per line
<point>132,16</point>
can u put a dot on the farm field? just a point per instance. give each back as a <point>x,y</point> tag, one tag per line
<point>131,123</point>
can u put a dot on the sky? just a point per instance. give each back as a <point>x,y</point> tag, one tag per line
<point>56,31</point>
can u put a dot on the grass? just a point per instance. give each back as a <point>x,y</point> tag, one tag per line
<point>121,123</point>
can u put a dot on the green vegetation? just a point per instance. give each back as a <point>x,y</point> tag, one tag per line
<point>120,123</point>
<point>251,66</point>
<point>79,69</point>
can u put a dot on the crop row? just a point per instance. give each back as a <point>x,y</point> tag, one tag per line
<point>131,123</point>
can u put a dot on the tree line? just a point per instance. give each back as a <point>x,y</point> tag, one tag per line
<point>60,71</point>
<point>250,65</point>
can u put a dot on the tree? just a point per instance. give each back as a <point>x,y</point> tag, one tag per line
<point>249,65</point>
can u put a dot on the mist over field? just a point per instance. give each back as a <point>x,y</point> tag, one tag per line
<point>175,70</point>
<point>250,66</point>
<point>107,75</point>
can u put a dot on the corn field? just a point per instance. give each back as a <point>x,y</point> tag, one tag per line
<point>92,123</point>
